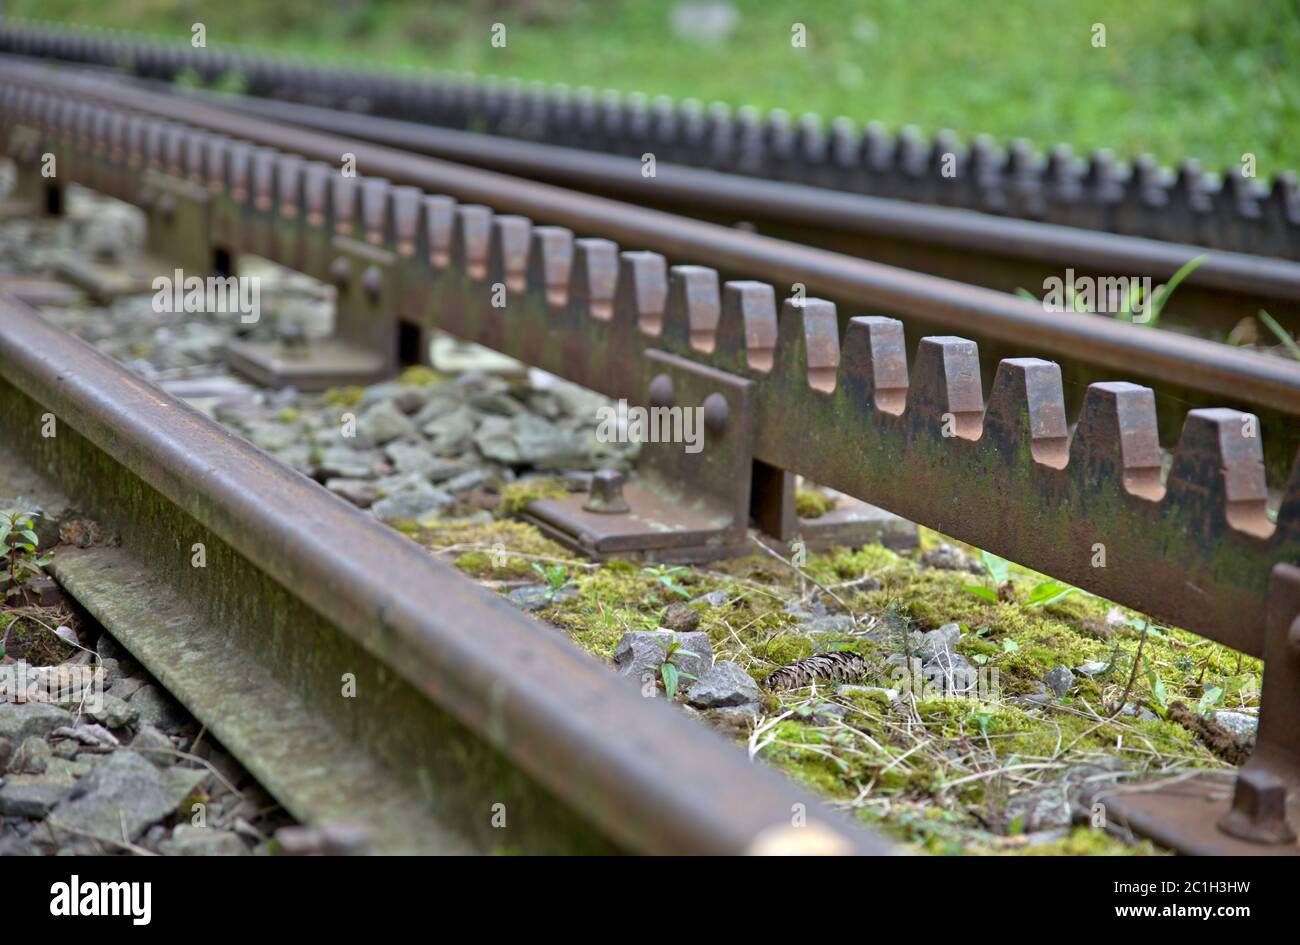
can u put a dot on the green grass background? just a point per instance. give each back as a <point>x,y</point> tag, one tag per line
<point>1209,79</point>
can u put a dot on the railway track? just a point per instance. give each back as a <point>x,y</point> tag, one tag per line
<point>1184,371</point>
<point>463,703</point>
<point>780,394</point>
<point>1226,211</point>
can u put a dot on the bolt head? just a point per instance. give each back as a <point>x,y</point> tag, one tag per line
<point>372,281</point>
<point>340,271</point>
<point>661,391</point>
<point>606,495</point>
<point>715,413</point>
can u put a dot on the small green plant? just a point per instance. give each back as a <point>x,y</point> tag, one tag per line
<point>18,543</point>
<point>1209,700</point>
<point>667,577</point>
<point>669,671</point>
<point>1134,301</point>
<point>1287,341</point>
<point>999,569</point>
<point>555,577</point>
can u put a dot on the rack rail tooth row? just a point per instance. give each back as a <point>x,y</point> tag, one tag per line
<point>1186,372</point>
<point>1188,205</point>
<point>780,395</point>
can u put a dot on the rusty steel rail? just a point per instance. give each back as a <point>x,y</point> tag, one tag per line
<point>1187,369</point>
<point>462,701</point>
<point>981,249</point>
<point>1187,205</point>
<point>1089,505</point>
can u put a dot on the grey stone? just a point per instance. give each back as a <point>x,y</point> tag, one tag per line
<point>466,481</point>
<point>126,687</point>
<point>342,463</point>
<point>383,423</point>
<point>640,653</point>
<point>930,644</point>
<point>722,684</point>
<point>125,793</point>
<point>539,596</point>
<point>32,757</point>
<point>32,795</point>
<point>113,712</point>
<point>1092,668</point>
<point>411,458</point>
<point>272,437</point>
<point>713,598</point>
<point>735,713</point>
<point>158,709</point>
<point>951,673</point>
<point>527,440</point>
<point>67,768</point>
<point>112,670</point>
<point>451,432</point>
<point>19,721</point>
<point>842,624</point>
<point>155,746</point>
<point>947,558</point>
<point>680,618</point>
<point>1239,724</point>
<point>187,840</point>
<point>360,492</point>
<point>1059,680</point>
<point>411,503</point>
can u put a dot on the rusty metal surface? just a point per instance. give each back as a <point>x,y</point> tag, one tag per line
<point>643,775</point>
<point>1195,551</point>
<point>1099,192</point>
<point>1186,364</point>
<point>1087,503</point>
<point>1225,288</point>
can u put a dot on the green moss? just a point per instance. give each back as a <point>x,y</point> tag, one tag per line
<point>810,504</point>
<point>516,495</point>
<point>344,396</point>
<point>418,375</point>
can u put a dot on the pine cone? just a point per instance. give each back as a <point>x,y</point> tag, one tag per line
<point>843,666</point>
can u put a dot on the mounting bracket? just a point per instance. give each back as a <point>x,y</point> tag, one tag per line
<point>364,346</point>
<point>1210,815</point>
<point>694,501</point>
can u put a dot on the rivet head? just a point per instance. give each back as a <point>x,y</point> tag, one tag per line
<point>371,282</point>
<point>606,494</point>
<point>167,207</point>
<point>661,391</point>
<point>715,413</point>
<point>340,271</point>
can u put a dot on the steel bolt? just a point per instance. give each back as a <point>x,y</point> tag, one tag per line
<point>606,493</point>
<point>341,271</point>
<point>715,413</point>
<point>371,282</point>
<point>1259,809</point>
<point>661,391</point>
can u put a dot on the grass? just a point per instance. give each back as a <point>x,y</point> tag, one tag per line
<point>1204,79</point>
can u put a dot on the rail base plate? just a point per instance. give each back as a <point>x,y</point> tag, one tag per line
<point>319,366</point>
<point>107,281</point>
<point>1184,814</point>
